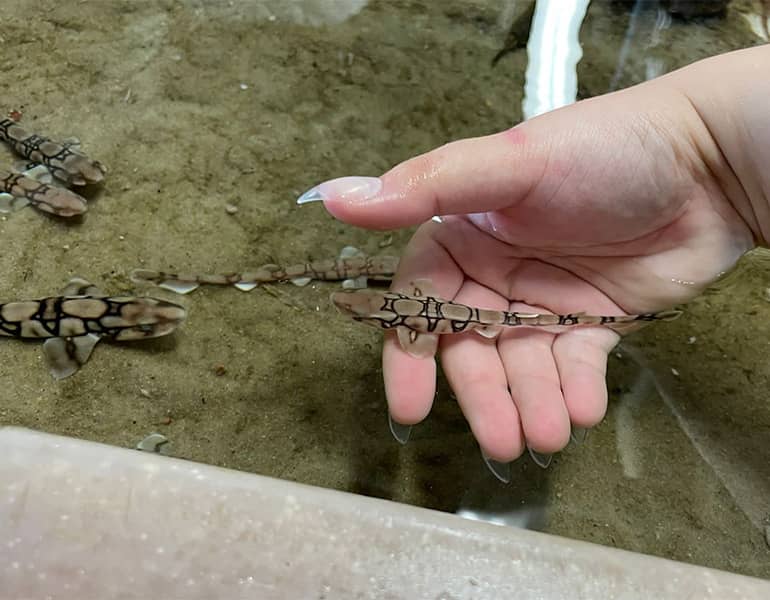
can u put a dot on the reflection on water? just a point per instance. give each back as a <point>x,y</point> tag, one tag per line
<point>551,82</point>
<point>213,116</point>
<point>645,29</point>
<point>729,458</point>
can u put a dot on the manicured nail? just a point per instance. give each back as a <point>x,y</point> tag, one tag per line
<point>499,469</point>
<point>541,459</point>
<point>399,431</point>
<point>351,190</point>
<point>578,435</point>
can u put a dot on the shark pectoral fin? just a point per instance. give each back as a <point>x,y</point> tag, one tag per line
<point>488,331</point>
<point>415,343</point>
<point>419,345</point>
<point>301,281</point>
<point>179,287</point>
<point>359,283</point>
<point>77,286</point>
<point>10,203</point>
<point>145,276</point>
<point>71,142</point>
<point>350,252</point>
<point>65,356</point>
<point>38,172</point>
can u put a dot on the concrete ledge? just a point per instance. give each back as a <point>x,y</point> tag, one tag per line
<point>84,520</point>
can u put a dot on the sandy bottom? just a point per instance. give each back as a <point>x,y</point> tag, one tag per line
<point>197,105</point>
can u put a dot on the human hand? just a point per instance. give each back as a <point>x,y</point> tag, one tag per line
<point>608,206</point>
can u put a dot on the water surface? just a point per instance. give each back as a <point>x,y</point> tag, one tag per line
<point>197,105</point>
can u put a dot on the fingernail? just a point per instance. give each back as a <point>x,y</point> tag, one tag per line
<point>352,190</point>
<point>399,431</point>
<point>541,459</point>
<point>578,435</point>
<point>499,469</point>
<point>485,221</point>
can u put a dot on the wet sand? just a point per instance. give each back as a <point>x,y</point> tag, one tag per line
<point>197,105</point>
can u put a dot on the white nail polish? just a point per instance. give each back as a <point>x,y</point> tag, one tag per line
<point>351,190</point>
<point>578,435</point>
<point>541,459</point>
<point>499,469</point>
<point>399,431</point>
<point>312,195</point>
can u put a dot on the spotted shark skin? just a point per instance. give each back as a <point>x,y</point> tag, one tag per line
<point>25,190</point>
<point>377,268</point>
<point>71,324</point>
<point>62,159</point>
<point>420,317</point>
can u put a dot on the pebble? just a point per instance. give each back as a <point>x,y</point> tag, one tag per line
<point>155,442</point>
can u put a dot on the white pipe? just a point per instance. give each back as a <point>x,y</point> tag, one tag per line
<point>554,51</point>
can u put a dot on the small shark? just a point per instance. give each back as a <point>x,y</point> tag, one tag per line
<point>352,267</point>
<point>20,189</point>
<point>45,159</point>
<point>64,160</point>
<point>75,321</point>
<point>419,318</point>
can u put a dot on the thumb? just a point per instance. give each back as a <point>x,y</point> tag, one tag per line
<point>466,176</point>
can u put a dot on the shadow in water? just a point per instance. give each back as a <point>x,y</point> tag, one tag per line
<point>441,467</point>
<point>739,457</point>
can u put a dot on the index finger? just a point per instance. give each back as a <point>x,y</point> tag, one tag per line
<point>410,382</point>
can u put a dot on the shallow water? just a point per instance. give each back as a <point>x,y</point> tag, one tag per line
<point>197,105</point>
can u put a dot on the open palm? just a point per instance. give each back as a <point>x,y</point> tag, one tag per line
<point>591,208</point>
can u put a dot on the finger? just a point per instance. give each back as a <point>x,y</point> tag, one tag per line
<point>581,359</point>
<point>410,383</point>
<point>535,387</point>
<point>476,374</point>
<point>466,176</point>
